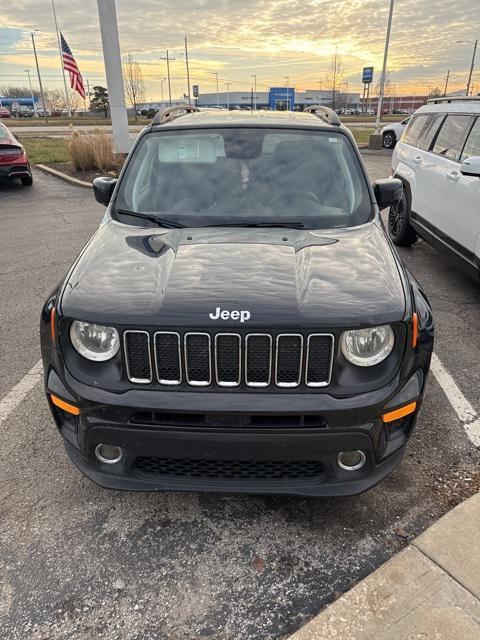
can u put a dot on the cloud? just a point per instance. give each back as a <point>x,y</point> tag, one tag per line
<point>273,38</point>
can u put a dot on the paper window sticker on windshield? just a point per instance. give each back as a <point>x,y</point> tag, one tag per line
<point>334,140</point>
<point>189,150</point>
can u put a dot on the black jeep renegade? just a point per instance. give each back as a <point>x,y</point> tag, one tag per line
<point>240,321</point>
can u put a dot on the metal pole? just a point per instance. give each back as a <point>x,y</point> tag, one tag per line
<point>228,94</point>
<point>384,68</point>
<point>287,81</point>
<point>61,60</point>
<point>471,67</point>
<point>446,83</point>
<point>39,76</point>
<point>215,73</point>
<point>113,69</point>
<point>167,59</point>
<point>255,90</point>
<point>188,70</point>
<point>35,114</point>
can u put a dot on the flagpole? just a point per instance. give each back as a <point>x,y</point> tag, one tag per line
<point>61,60</point>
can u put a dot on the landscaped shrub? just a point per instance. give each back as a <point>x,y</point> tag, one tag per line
<point>91,151</point>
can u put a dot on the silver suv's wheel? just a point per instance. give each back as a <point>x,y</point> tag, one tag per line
<point>401,231</point>
<point>389,139</point>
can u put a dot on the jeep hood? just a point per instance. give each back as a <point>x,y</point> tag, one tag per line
<point>284,277</point>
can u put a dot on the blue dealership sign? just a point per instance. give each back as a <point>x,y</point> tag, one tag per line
<point>367,75</point>
<point>282,98</point>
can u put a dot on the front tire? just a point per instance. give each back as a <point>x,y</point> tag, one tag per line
<point>389,140</point>
<point>27,181</point>
<point>401,231</point>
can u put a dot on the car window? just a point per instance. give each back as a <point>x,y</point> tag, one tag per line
<point>429,130</point>
<point>452,135</point>
<point>201,177</point>
<point>3,133</point>
<point>414,128</point>
<point>472,146</point>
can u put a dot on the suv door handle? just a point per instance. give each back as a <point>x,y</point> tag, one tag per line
<point>417,159</point>
<point>454,176</point>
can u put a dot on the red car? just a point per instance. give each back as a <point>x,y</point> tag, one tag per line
<point>13,158</point>
<point>5,113</point>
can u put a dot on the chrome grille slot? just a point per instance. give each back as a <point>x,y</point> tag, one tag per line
<point>288,363</point>
<point>167,351</point>
<point>137,356</point>
<point>198,359</point>
<point>319,360</point>
<point>228,361</point>
<point>258,359</point>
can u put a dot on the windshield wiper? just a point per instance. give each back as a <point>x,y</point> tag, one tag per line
<point>294,224</point>
<point>162,222</point>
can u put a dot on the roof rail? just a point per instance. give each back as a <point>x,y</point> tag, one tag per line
<point>325,113</point>
<point>170,113</point>
<point>454,99</point>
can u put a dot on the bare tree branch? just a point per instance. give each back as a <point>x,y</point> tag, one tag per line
<point>133,81</point>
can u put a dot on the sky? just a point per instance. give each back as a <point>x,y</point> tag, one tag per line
<point>273,39</point>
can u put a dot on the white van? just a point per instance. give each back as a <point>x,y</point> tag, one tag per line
<point>438,161</point>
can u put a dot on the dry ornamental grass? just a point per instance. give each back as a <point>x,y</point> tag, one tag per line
<point>91,151</point>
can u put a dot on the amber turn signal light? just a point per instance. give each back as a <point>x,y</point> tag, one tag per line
<point>399,413</point>
<point>61,404</point>
<point>53,319</point>
<point>414,330</point>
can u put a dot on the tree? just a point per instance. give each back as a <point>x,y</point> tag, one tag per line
<point>133,81</point>
<point>334,75</point>
<point>99,101</point>
<point>435,93</point>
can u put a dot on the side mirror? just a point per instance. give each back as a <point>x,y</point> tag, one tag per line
<point>471,167</point>
<point>387,191</point>
<point>103,188</point>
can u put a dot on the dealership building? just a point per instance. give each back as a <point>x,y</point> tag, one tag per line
<point>276,98</point>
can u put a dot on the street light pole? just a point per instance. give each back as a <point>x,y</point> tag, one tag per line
<point>228,94</point>
<point>469,81</point>
<point>215,73</point>
<point>35,114</point>
<point>446,83</point>
<point>287,82</point>
<point>384,68</point>
<point>32,33</point>
<point>188,70</point>
<point>168,59</point>
<point>255,91</point>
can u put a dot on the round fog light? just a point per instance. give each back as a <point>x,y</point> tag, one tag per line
<point>351,460</point>
<point>108,453</point>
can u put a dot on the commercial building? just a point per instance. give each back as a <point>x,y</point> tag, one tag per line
<point>276,98</point>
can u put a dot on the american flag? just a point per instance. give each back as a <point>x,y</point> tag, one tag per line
<point>76,80</point>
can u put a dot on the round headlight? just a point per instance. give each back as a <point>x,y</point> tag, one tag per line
<point>367,347</point>
<point>94,341</point>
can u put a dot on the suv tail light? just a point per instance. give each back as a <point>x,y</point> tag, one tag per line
<point>9,152</point>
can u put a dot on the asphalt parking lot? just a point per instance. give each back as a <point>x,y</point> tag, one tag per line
<point>78,562</point>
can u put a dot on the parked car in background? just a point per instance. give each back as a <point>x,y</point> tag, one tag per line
<point>13,158</point>
<point>5,113</point>
<point>392,132</point>
<point>438,161</point>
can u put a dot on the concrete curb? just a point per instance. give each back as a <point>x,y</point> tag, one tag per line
<point>429,590</point>
<point>64,176</point>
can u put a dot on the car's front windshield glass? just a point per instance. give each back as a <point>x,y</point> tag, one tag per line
<point>239,176</point>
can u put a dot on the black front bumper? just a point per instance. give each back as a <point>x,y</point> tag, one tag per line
<point>211,456</point>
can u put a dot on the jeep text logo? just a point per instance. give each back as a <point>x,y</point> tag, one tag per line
<point>227,315</point>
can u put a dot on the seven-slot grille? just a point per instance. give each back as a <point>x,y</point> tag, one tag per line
<point>199,359</point>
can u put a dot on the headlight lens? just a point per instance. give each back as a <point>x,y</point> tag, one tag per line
<point>367,347</point>
<point>94,341</point>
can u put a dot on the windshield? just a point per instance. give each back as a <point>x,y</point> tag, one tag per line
<point>235,176</point>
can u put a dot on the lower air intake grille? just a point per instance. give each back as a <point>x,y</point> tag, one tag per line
<point>229,469</point>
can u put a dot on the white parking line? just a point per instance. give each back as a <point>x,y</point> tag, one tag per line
<point>464,410</point>
<point>19,391</point>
